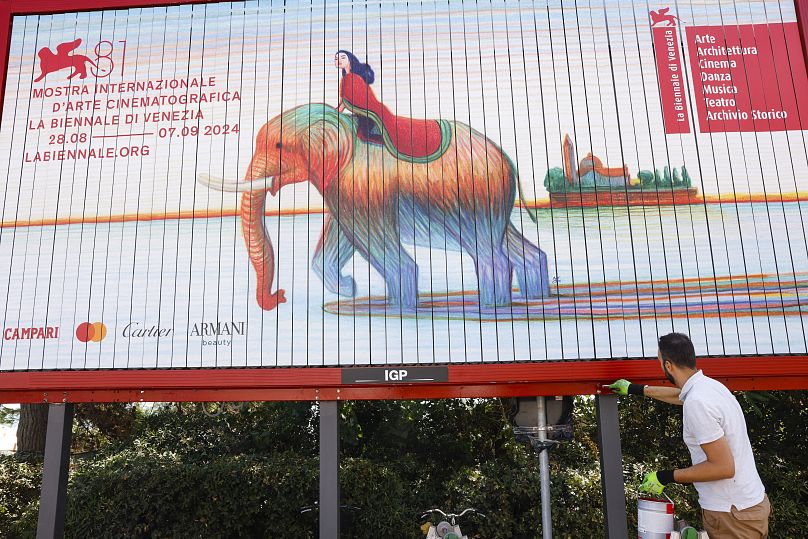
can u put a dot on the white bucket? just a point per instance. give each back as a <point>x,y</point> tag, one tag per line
<point>654,518</point>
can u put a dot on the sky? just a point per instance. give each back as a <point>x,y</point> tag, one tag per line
<point>8,433</point>
<point>524,73</point>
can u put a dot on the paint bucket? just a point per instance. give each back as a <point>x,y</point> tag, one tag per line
<point>654,518</point>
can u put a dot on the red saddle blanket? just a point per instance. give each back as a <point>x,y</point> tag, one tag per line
<point>414,138</point>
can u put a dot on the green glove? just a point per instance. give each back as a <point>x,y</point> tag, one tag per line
<point>623,387</point>
<point>652,484</point>
<point>620,387</point>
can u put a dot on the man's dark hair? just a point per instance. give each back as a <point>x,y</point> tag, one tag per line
<point>678,349</point>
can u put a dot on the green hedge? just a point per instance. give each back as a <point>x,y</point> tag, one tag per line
<point>136,494</point>
<point>247,474</point>
<point>20,484</point>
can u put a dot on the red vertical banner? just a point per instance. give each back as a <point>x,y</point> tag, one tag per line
<point>5,31</point>
<point>672,87</point>
<point>802,20</point>
<point>748,77</point>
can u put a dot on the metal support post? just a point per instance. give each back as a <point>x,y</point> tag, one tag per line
<point>53,500</point>
<point>544,472</point>
<point>611,466</point>
<point>329,470</point>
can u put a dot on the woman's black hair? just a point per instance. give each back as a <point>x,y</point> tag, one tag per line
<point>363,70</point>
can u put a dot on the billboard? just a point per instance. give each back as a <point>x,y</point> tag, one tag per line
<point>262,184</point>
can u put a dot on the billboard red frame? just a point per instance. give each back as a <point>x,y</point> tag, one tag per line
<point>504,380</point>
<point>327,383</point>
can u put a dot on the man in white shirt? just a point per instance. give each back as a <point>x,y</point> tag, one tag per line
<point>732,497</point>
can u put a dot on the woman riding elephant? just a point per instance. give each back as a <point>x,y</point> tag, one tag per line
<point>460,201</point>
<point>407,138</point>
<point>360,77</point>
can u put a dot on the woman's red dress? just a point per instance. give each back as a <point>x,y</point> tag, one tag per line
<point>413,138</point>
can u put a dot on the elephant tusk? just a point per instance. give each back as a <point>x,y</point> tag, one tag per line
<point>236,186</point>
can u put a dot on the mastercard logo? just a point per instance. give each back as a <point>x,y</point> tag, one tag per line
<point>91,331</point>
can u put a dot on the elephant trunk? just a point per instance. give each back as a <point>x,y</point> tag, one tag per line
<point>259,248</point>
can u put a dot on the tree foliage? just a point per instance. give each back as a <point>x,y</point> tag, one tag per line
<point>555,181</point>
<point>97,424</point>
<point>20,482</point>
<point>686,180</point>
<point>246,470</point>
<point>646,178</point>
<point>8,415</point>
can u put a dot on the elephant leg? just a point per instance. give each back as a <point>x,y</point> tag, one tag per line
<point>494,271</point>
<point>332,253</point>
<point>380,244</point>
<point>529,263</point>
<point>400,275</point>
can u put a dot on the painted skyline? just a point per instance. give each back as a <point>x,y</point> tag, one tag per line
<point>560,77</point>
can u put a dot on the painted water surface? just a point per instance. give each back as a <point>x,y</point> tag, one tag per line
<point>733,276</point>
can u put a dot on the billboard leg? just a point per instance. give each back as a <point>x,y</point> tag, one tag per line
<point>329,470</point>
<point>544,472</point>
<point>611,466</point>
<point>53,500</point>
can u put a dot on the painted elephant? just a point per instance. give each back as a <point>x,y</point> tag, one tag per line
<point>378,203</point>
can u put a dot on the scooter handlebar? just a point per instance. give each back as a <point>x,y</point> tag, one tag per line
<point>453,515</point>
<point>430,511</point>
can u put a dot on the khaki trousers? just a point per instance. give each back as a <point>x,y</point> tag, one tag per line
<point>750,523</point>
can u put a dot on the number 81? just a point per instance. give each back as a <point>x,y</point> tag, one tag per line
<point>104,64</point>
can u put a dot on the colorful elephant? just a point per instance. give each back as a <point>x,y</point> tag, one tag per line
<point>378,203</point>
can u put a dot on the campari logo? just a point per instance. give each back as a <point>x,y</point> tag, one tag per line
<point>91,331</point>
<point>30,333</point>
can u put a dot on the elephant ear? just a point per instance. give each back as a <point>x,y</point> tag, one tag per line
<point>329,144</point>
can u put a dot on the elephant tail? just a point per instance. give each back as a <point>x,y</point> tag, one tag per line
<point>531,211</point>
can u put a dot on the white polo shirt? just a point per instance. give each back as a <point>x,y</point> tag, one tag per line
<point>710,412</point>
